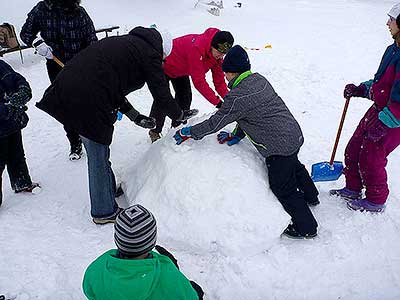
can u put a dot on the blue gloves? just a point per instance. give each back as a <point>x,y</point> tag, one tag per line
<point>182,135</point>
<point>230,138</point>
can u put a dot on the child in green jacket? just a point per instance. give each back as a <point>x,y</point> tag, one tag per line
<point>133,270</point>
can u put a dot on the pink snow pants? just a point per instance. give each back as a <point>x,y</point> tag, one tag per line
<point>366,160</point>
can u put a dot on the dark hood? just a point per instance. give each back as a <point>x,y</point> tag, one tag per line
<point>150,35</point>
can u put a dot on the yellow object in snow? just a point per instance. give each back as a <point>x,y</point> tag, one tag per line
<point>268,46</point>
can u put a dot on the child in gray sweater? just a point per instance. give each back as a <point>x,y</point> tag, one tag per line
<point>263,117</point>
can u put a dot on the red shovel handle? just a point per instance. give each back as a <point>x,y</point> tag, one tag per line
<point>346,105</point>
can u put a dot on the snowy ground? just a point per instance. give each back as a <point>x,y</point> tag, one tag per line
<point>213,204</point>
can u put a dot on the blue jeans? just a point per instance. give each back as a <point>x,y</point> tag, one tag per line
<point>101,179</point>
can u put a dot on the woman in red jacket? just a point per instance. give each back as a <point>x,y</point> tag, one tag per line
<point>194,55</point>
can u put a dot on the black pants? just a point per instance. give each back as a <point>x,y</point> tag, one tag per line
<point>292,185</point>
<point>52,70</point>
<point>183,96</point>
<point>12,155</point>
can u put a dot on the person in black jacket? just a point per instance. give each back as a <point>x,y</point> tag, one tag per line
<point>65,29</point>
<point>89,91</point>
<point>15,92</point>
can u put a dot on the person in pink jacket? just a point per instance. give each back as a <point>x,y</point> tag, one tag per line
<point>378,132</point>
<point>194,55</point>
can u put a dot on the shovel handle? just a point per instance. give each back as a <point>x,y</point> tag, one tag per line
<point>346,105</point>
<point>59,62</point>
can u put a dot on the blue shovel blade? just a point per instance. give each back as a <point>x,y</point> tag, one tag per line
<point>323,171</point>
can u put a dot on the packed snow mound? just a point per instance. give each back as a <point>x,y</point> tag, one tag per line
<point>215,193</point>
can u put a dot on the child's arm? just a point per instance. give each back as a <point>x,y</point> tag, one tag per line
<point>229,112</point>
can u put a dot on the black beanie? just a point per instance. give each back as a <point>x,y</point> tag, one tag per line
<point>222,41</point>
<point>236,61</point>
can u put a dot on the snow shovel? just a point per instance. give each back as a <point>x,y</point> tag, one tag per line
<point>330,171</point>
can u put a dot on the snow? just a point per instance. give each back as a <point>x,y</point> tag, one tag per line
<point>213,204</point>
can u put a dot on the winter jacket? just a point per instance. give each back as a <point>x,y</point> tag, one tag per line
<point>384,89</point>
<point>156,278</point>
<point>66,30</point>
<point>260,113</point>
<point>11,82</point>
<point>91,88</point>
<point>191,56</point>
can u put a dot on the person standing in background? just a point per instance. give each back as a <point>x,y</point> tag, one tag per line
<point>65,29</point>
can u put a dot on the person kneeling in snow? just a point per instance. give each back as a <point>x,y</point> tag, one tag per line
<point>15,92</point>
<point>134,271</point>
<point>378,133</point>
<point>91,89</point>
<point>263,117</point>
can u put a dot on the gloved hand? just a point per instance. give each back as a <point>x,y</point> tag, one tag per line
<point>42,48</point>
<point>376,130</point>
<point>21,97</point>
<point>182,135</point>
<point>219,104</point>
<point>351,90</point>
<point>16,113</point>
<point>230,138</point>
<point>145,122</point>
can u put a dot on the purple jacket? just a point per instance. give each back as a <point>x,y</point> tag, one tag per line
<point>384,89</point>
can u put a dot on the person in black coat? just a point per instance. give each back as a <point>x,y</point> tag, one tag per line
<point>65,29</point>
<point>89,91</point>
<point>15,92</point>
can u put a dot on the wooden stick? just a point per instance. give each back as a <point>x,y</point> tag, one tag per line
<point>59,62</point>
<point>346,105</point>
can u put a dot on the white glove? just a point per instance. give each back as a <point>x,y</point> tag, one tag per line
<point>42,48</point>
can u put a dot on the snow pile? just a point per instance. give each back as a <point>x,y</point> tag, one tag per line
<point>215,193</point>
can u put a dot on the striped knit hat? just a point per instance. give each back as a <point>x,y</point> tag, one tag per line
<point>135,231</point>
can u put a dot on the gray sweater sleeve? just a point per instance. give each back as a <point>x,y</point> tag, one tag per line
<point>229,112</point>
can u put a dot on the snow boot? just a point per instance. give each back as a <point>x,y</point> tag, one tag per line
<point>106,220</point>
<point>292,233</point>
<point>365,205</point>
<point>33,188</point>
<point>76,152</point>
<point>346,194</point>
<point>154,136</point>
